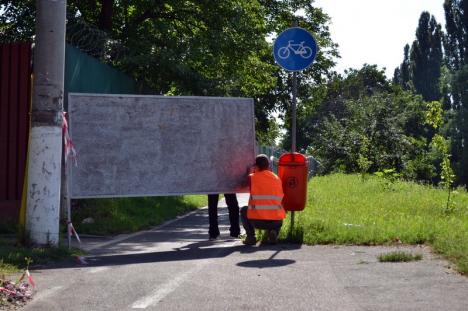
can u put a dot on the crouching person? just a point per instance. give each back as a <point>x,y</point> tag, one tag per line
<point>265,210</point>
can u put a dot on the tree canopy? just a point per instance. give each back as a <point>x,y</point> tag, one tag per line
<point>193,47</point>
<point>355,121</point>
<point>421,66</point>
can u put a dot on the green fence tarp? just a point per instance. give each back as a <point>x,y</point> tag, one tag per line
<point>86,74</point>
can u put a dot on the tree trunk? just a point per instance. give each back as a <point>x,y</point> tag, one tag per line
<point>105,18</point>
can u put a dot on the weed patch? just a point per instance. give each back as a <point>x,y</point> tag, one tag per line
<point>14,258</point>
<point>399,256</point>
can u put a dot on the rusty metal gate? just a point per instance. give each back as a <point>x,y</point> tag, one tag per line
<point>15,94</point>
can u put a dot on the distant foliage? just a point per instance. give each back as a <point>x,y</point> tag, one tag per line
<point>442,75</point>
<point>363,124</point>
<point>390,176</point>
<point>363,161</point>
<point>402,74</point>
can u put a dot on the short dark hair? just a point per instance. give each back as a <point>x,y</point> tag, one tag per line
<point>262,162</point>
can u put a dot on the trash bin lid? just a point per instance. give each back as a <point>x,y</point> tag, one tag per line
<point>292,157</point>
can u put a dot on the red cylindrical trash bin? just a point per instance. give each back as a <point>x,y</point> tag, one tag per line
<point>293,170</point>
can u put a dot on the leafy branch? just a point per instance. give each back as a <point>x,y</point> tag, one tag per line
<point>435,118</point>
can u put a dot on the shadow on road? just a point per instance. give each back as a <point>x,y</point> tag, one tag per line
<point>193,251</point>
<point>185,239</point>
<point>267,263</point>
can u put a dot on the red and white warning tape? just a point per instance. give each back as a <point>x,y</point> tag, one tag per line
<point>70,152</point>
<point>72,231</point>
<point>30,279</point>
<point>81,260</point>
<point>29,276</point>
<point>3,289</point>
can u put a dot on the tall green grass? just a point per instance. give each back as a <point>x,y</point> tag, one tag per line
<point>123,215</point>
<point>343,209</point>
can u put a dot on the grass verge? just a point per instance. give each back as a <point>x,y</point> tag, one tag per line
<point>343,209</point>
<point>124,215</point>
<point>110,216</point>
<point>14,258</point>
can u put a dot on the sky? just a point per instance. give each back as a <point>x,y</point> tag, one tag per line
<point>376,31</point>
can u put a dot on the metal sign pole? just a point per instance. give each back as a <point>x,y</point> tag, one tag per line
<point>293,127</point>
<point>294,50</point>
<point>67,182</point>
<point>293,112</point>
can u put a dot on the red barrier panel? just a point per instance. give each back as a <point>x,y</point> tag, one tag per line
<point>293,170</point>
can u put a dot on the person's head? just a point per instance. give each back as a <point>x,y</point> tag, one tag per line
<point>262,162</point>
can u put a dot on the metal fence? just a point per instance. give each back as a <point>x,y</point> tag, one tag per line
<point>15,94</point>
<point>271,152</point>
<point>313,164</point>
<point>83,73</point>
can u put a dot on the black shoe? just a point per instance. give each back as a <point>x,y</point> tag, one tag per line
<point>213,237</point>
<point>234,231</point>
<point>235,234</point>
<point>214,234</point>
<point>250,240</point>
<point>272,237</point>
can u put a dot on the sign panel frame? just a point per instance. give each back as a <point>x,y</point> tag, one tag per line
<point>151,145</point>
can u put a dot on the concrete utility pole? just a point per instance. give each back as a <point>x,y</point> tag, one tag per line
<point>45,147</point>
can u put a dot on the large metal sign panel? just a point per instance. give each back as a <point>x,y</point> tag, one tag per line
<point>130,145</point>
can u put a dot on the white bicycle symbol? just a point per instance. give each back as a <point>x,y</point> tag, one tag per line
<point>298,48</point>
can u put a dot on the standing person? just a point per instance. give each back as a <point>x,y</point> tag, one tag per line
<point>265,210</point>
<point>233,208</point>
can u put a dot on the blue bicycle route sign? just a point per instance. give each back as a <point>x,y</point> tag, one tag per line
<point>295,49</point>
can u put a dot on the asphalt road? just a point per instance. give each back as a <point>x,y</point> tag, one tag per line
<point>175,267</point>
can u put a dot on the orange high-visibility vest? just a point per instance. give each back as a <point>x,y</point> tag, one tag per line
<point>266,194</point>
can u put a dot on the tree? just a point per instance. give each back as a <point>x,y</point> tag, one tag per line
<point>426,58</point>
<point>374,128</point>
<point>17,20</point>
<point>459,131</point>
<point>456,40</point>
<point>456,47</point>
<point>421,66</point>
<point>194,47</point>
<point>402,73</point>
<point>330,99</point>
<point>421,73</point>
<point>361,123</point>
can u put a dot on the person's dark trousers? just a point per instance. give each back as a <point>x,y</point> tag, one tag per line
<point>233,208</point>
<point>251,224</point>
